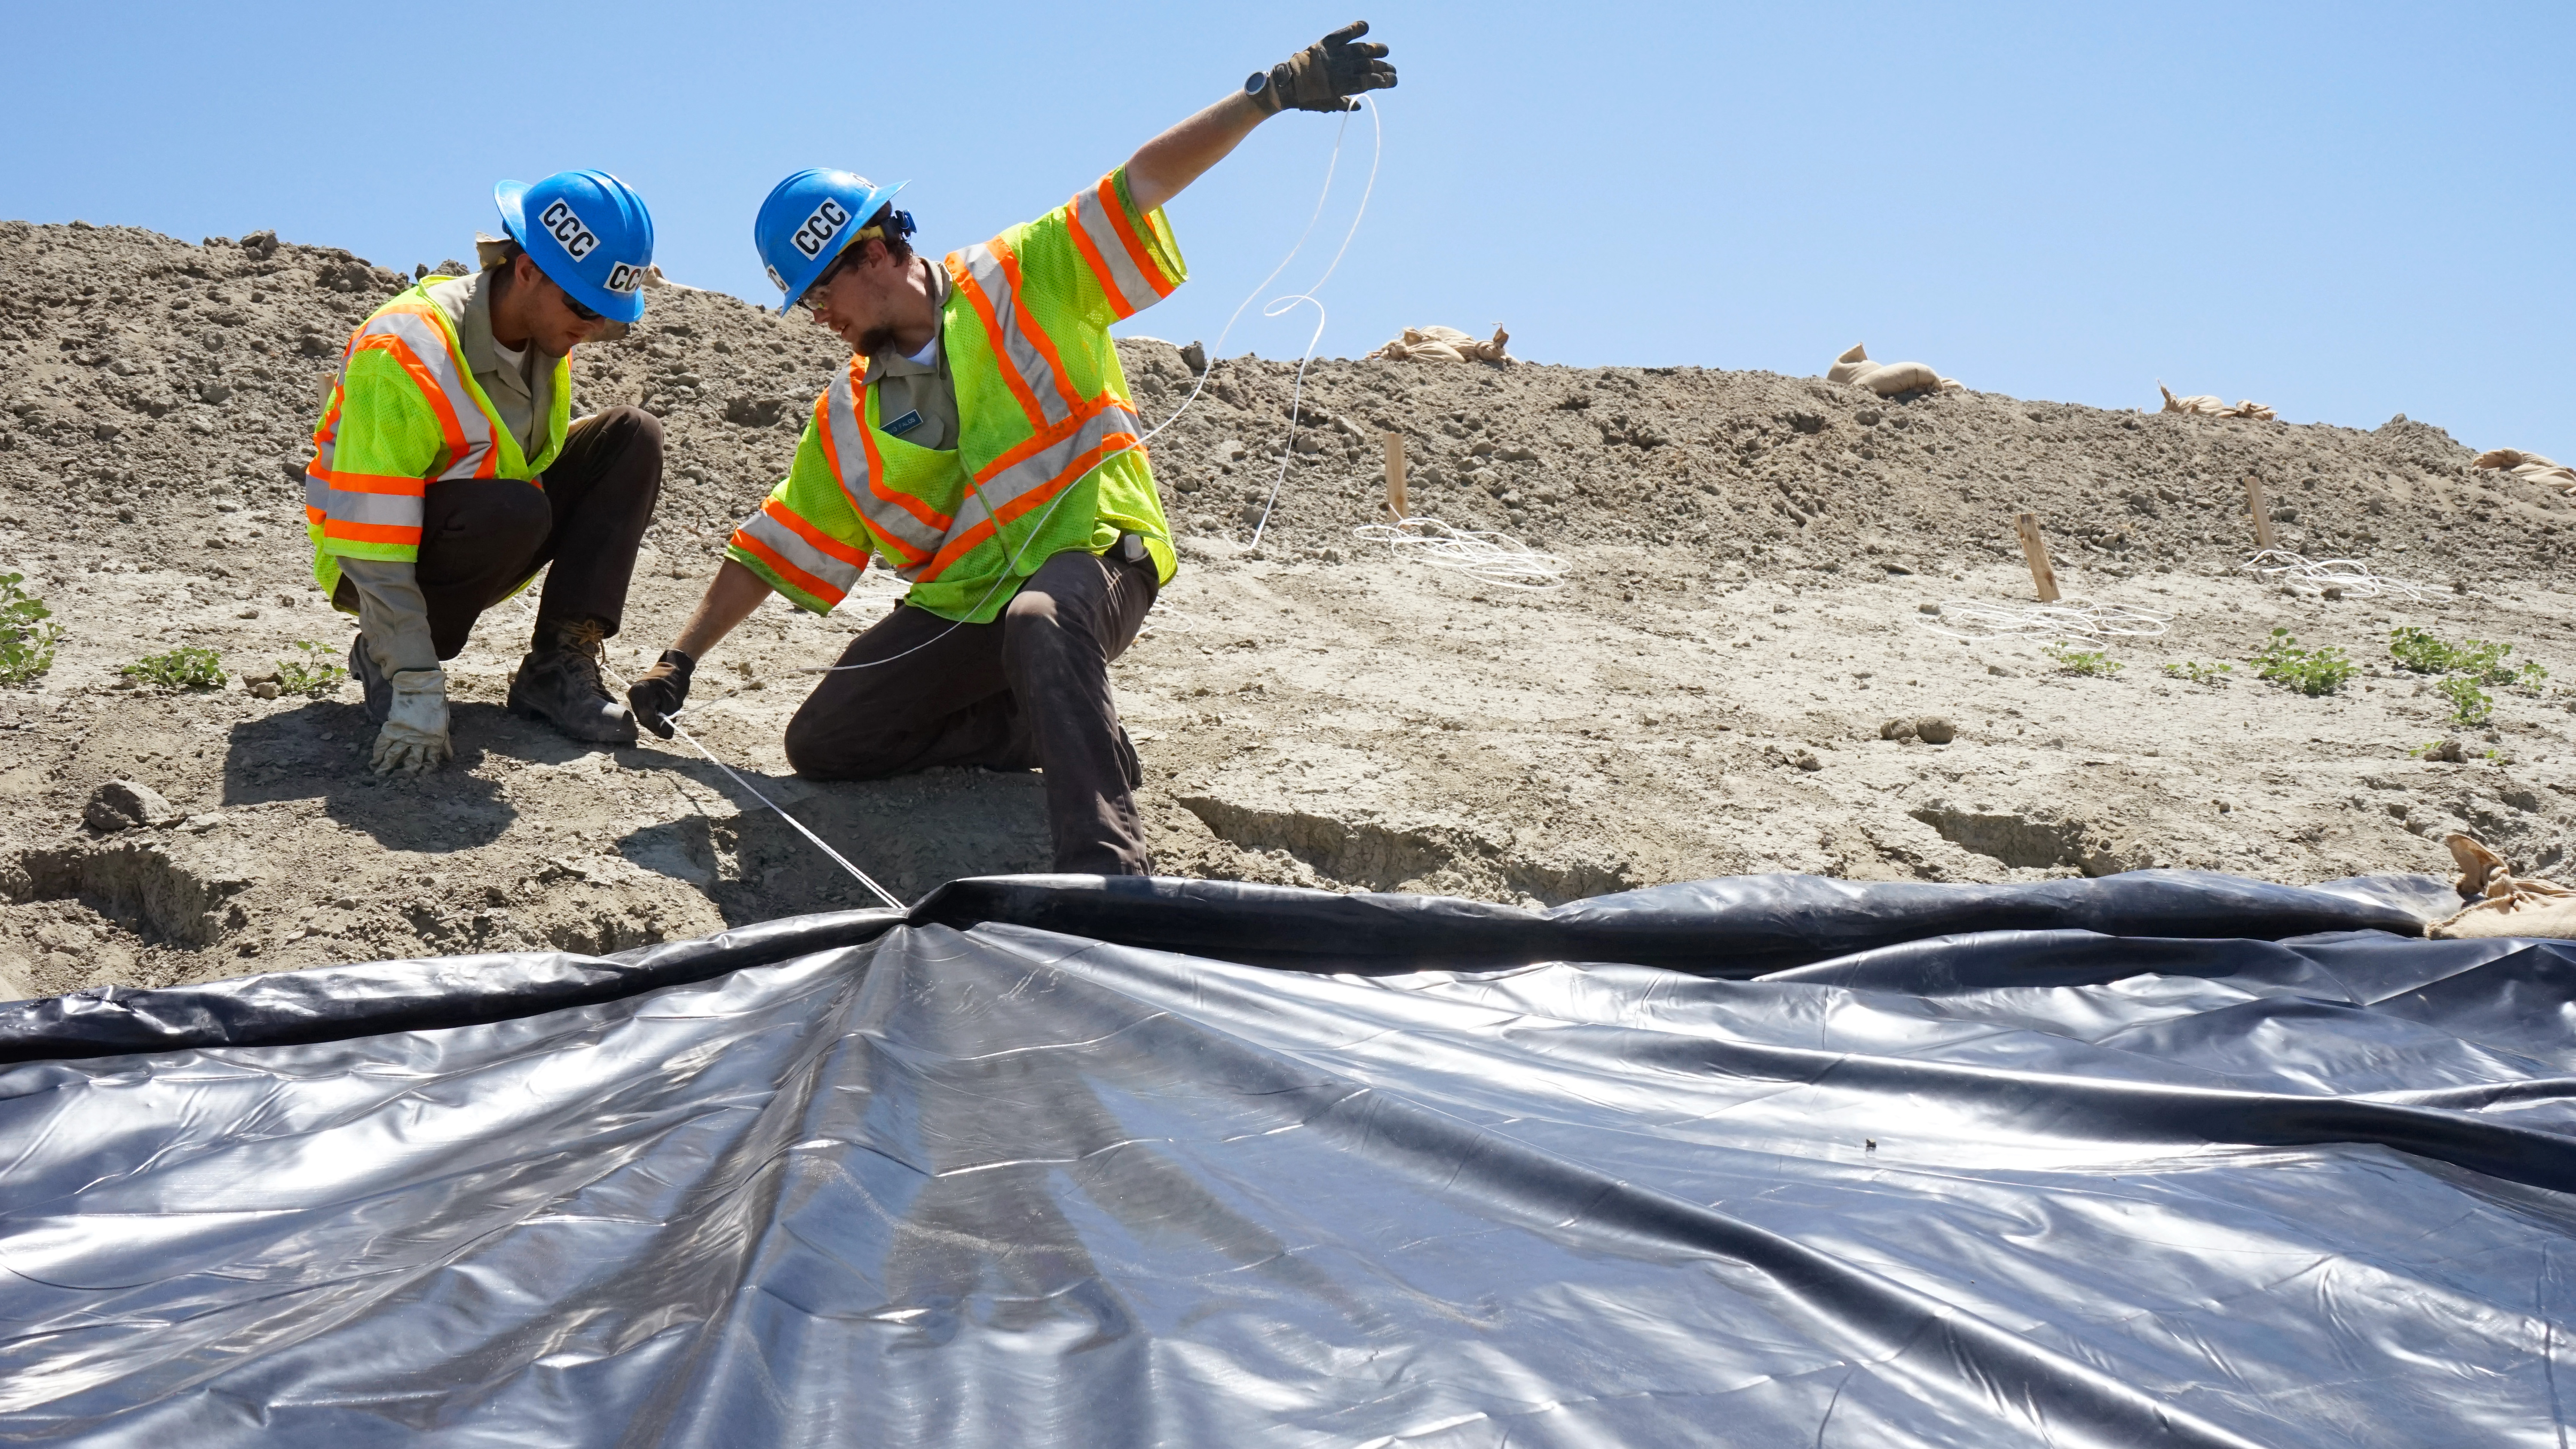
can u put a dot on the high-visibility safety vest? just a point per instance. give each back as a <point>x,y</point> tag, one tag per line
<point>406,412</point>
<point>1044,418</point>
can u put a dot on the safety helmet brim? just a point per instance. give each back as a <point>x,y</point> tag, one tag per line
<point>511,197</point>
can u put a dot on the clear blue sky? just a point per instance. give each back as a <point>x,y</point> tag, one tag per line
<point>2347,211</point>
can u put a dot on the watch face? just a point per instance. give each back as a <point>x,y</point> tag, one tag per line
<point>1253,83</point>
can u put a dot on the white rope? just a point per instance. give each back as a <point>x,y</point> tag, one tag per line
<point>1490,558</point>
<point>673,720</point>
<point>838,859</point>
<point>1977,619</point>
<point>1164,618</point>
<point>1280,306</point>
<point>2355,578</point>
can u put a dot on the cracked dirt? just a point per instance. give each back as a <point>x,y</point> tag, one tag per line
<point>1748,556</point>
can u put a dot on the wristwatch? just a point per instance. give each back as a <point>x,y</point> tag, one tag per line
<point>1265,95</point>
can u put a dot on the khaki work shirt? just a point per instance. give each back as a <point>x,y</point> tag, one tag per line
<point>927,391</point>
<point>522,394</point>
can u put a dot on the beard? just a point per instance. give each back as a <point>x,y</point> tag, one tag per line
<point>874,341</point>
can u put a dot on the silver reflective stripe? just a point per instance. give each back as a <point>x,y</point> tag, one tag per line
<point>850,450</point>
<point>1091,213</point>
<point>788,544</point>
<point>428,342</point>
<point>401,510</point>
<point>1032,475</point>
<point>1019,353</point>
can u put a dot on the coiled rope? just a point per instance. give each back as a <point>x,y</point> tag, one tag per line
<point>1977,619</point>
<point>2356,579</point>
<point>1490,558</point>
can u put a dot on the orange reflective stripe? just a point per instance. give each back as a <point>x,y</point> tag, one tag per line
<point>1136,250</point>
<point>804,582</point>
<point>371,532</point>
<point>823,432</point>
<point>1091,257</point>
<point>431,391</point>
<point>983,305</point>
<point>1030,329</point>
<point>823,542</point>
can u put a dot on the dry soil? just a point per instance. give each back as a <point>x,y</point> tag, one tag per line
<point>1748,557</point>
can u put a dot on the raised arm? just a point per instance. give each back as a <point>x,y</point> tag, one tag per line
<point>1322,77</point>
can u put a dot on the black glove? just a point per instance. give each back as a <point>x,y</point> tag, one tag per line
<point>662,690</point>
<point>1325,75</point>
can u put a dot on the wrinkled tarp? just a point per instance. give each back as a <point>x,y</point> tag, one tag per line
<point>2159,1158</point>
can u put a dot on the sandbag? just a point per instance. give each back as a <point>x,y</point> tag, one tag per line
<point>2530,467</point>
<point>2503,904</point>
<point>1444,344</point>
<point>1887,379</point>
<point>2208,405</point>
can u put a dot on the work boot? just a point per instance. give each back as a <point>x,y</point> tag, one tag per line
<point>371,681</point>
<point>560,682</point>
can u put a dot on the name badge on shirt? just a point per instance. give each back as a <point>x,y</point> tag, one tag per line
<point>905,424</point>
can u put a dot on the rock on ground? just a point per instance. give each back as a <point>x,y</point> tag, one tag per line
<point>1749,560</point>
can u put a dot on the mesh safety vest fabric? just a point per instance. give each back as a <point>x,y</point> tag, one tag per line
<point>1044,414</point>
<point>406,412</point>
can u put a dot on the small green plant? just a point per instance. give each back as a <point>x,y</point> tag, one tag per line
<point>312,674</point>
<point>2199,673</point>
<point>2489,664</point>
<point>2309,671</point>
<point>2083,661</point>
<point>2418,650</point>
<point>2470,705</point>
<point>186,667</point>
<point>28,634</point>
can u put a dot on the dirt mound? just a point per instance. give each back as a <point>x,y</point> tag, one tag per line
<point>1748,553</point>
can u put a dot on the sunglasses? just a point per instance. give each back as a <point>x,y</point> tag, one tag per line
<point>578,310</point>
<point>812,301</point>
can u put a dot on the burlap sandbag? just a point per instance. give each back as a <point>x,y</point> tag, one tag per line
<point>2530,467</point>
<point>2207,405</point>
<point>1887,379</point>
<point>1444,344</point>
<point>2502,905</point>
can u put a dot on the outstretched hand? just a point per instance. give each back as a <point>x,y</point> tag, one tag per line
<point>1326,75</point>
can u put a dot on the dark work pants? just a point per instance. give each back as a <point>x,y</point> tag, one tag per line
<point>1029,689</point>
<point>482,537</point>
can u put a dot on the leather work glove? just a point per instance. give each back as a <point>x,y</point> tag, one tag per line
<point>414,738</point>
<point>1325,75</point>
<point>661,691</point>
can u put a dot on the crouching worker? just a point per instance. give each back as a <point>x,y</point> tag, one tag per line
<point>446,470</point>
<point>982,439</point>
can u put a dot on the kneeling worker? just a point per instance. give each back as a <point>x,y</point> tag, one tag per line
<point>982,439</point>
<point>446,470</point>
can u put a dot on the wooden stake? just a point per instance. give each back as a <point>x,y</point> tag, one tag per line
<point>2035,549</point>
<point>1395,477</point>
<point>2262,507</point>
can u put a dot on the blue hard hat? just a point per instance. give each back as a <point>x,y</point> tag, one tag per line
<point>809,218</point>
<point>588,231</point>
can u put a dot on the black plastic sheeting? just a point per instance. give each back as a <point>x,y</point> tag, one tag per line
<point>2156,1159</point>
